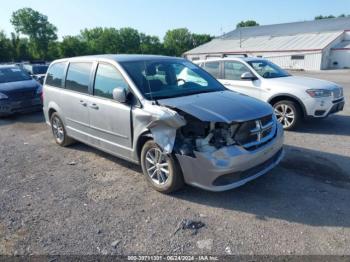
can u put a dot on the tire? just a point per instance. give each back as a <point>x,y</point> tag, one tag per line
<point>164,182</point>
<point>286,108</point>
<point>59,131</point>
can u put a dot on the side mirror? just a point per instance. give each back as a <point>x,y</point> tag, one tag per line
<point>120,94</point>
<point>248,76</point>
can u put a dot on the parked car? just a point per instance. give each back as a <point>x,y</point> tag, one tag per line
<point>37,71</point>
<point>18,91</point>
<point>293,97</point>
<point>137,108</point>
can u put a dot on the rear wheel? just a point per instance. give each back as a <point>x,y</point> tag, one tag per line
<point>59,131</point>
<point>287,113</point>
<point>161,170</point>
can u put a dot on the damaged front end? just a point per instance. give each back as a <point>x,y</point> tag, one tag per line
<point>218,156</point>
<point>216,150</point>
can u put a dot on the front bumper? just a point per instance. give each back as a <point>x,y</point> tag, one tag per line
<point>323,107</point>
<point>231,167</point>
<point>22,106</point>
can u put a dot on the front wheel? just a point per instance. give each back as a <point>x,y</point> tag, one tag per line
<point>161,170</point>
<point>287,113</point>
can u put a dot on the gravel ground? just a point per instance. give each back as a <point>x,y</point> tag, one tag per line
<point>78,200</point>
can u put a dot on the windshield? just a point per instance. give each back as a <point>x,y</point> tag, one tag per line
<point>40,70</point>
<point>13,74</point>
<point>170,78</point>
<point>266,69</point>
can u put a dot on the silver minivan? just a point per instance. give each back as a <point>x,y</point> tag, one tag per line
<point>181,130</point>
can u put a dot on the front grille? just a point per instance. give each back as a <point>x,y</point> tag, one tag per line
<point>255,133</point>
<point>18,95</point>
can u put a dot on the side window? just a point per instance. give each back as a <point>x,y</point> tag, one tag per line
<point>78,77</point>
<point>213,68</point>
<point>234,70</point>
<point>108,78</point>
<point>55,75</point>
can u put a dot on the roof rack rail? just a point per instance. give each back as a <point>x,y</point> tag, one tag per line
<point>238,54</point>
<point>226,55</point>
<point>214,55</point>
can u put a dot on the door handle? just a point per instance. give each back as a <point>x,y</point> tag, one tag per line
<point>83,103</point>
<point>94,106</point>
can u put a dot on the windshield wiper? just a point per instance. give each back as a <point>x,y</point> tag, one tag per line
<point>202,92</point>
<point>187,94</point>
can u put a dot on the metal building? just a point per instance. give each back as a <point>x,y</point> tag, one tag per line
<point>310,45</point>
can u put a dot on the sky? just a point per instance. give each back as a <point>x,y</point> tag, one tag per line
<point>155,17</point>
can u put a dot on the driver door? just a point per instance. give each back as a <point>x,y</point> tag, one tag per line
<point>232,71</point>
<point>110,121</point>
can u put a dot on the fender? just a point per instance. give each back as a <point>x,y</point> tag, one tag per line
<point>54,106</point>
<point>303,108</point>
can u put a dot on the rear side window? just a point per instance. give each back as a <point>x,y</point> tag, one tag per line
<point>55,75</point>
<point>78,77</point>
<point>108,78</point>
<point>213,68</point>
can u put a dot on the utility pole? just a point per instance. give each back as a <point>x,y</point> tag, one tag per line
<point>240,38</point>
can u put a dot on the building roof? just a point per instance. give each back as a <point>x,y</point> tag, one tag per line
<point>298,36</point>
<point>342,45</point>
<point>290,43</point>
<point>315,26</point>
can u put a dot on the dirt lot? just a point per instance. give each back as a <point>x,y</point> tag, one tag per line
<point>78,200</point>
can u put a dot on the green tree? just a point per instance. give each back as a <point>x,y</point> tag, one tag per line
<point>129,40</point>
<point>20,48</point>
<point>247,23</point>
<point>178,41</point>
<point>102,40</point>
<point>6,49</point>
<point>200,39</point>
<point>73,46</point>
<point>150,45</point>
<point>53,51</point>
<point>37,27</point>
<point>320,17</point>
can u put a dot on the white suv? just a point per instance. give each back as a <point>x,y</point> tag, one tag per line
<point>292,97</point>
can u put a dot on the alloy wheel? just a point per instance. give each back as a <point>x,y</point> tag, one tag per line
<point>285,115</point>
<point>57,128</point>
<point>157,166</point>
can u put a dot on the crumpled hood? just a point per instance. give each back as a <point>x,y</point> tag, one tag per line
<point>19,85</point>
<point>223,106</point>
<point>303,83</point>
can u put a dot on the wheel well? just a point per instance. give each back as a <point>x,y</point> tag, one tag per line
<point>288,98</point>
<point>51,111</point>
<point>141,141</point>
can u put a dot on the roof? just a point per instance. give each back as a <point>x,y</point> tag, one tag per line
<point>322,25</point>
<point>122,58</point>
<point>290,43</point>
<point>342,45</point>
